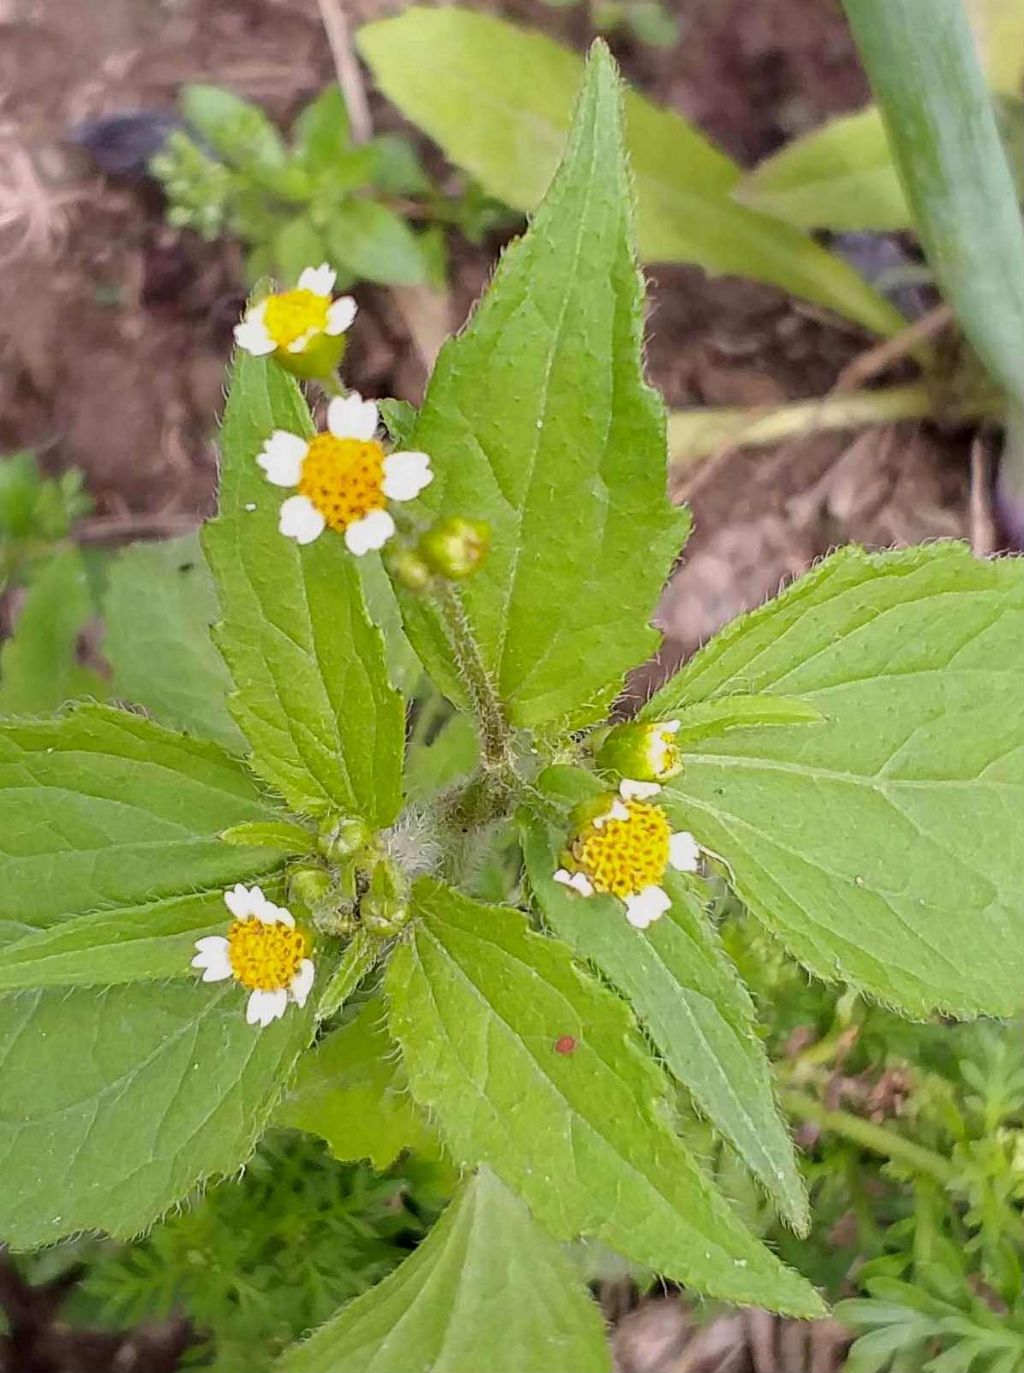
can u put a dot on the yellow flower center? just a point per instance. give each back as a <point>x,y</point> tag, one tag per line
<point>292,314</point>
<point>665,756</point>
<point>342,477</point>
<point>625,856</point>
<point>265,957</point>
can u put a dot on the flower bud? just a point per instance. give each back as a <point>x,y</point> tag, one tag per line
<point>455,547</point>
<point>408,568</point>
<point>646,752</point>
<point>342,836</point>
<point>318,361</point>
<point>384,910</point>
<point>308,886</point>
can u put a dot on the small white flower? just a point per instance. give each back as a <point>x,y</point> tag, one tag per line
<point>344,477</point>
<point>288,322</point>
<point>578,881</point>
<point>263,951</point>
<point>647,906</point>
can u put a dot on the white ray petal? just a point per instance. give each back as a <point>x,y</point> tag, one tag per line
<point>320,280</point>
<point>684,852</point>
<point>351,417</point>
<point>251,333</point>
<point>300,520</point>
<point>264,1007</point>
<point>637,791</point>
<point>405,475</point>
<point>302,982</point>
<point>237,900</point>
<point>617,811</point>
<point>647,906</point>
<point>578,881</point>
<point>340,314</point>
<point>282,456</point>
<point>373,531</point>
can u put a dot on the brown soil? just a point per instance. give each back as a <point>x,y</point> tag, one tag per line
<point>114,329</point>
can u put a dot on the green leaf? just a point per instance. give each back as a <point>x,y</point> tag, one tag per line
<point>159,607</point>
<point>697,1012</point>
<point>127,1098</point>
<point>321,132</point>
<point>359,956</point>
<point>374,243</point>
<point>100,809</point>
<point>397,167</point>
<point>478,1004</point>
<point>281,835</point>
<point>499,101</point>
<point>487,1289</point>
<point>539,422</point>
<point>132,944</point>
<point>885,841</point>
<point>39,670</point>
<point>946,146</point>
<point>840,177</point>
<point>404,668</point>
<point>235,129</point>
<point>297,245</point>
<point>707,719</point>
<point>351,1091</point>
<point>313,696</point>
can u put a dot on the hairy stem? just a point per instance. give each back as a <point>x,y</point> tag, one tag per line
<point>495,732</point>
<point>870,1136</point>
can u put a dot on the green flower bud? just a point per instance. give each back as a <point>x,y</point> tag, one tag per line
<point>455,547</point>
<point>644,752</point>
<point>408,568</point>
<point>308,886</point>
<point>342,836</point>
<point>384,910</point>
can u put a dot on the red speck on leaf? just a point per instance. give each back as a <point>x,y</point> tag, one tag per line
<point>565,1045</point>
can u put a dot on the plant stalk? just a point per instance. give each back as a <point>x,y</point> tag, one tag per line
<point>868,1135</point>
<point>495,732</point>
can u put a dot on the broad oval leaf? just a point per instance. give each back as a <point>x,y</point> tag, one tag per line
<point>499,101</point>
<point>539,421</point>
<point>126,1098</point>
<point>479,1004</point>
<point>373,243</point>
<point>487,1288</point>
<point>686,992</point>
<point>312,692</point>
<point>101,809</point>
<point>883,843</point>
<point>159,608</point>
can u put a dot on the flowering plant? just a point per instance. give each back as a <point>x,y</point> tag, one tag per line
<point>190,914</point>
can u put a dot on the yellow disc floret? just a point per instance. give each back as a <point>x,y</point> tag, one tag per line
<point>343,478</point>
<point>624,856</point>
<point>294,314</point>
<point>265,957</point>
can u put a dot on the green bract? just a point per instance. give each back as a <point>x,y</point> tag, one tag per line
<point>852,764</point>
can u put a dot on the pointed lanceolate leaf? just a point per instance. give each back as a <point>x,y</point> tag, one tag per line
<point>158,611</point>
<point>882,844</point>
<point>687,994</point>
<point>498,100</point>
<point>351,1091</point>
<point>487,1289</point>
<point>312,692</point>
<point>533,1068</point>
<point>127,1098</point>
<point>539,422</point>
<point>102,809</point>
